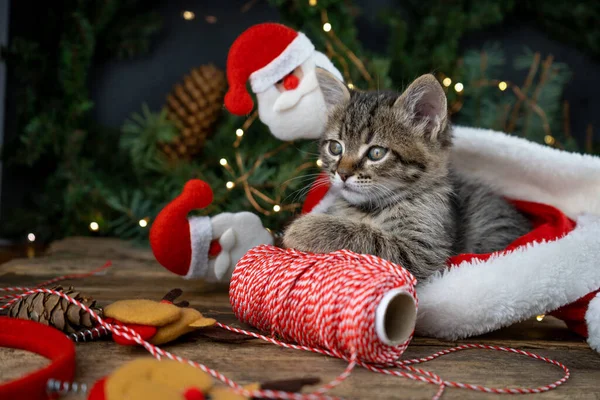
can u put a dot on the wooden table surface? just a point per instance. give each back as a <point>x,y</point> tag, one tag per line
<point>136,275</point>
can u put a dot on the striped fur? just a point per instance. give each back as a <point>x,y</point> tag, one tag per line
<point>410,207</point>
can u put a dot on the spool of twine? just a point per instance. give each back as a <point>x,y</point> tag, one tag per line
<point>347,304</point>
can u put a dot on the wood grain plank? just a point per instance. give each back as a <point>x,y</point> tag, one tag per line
<point>136,275</point>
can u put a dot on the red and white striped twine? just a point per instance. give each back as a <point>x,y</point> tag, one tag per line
<point>326,304</point>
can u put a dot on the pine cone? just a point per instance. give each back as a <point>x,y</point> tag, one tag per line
<point>194,107</point>
<point>50,309</point>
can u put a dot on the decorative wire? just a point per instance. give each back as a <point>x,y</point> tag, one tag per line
<point>54,386</point>
<point>87,335</point>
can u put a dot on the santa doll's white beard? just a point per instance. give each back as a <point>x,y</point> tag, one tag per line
<point>304,119</point>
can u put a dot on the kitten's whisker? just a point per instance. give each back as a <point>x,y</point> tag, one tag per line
<point>304,190</point>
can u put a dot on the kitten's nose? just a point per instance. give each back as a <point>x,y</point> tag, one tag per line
<point>344,175</point>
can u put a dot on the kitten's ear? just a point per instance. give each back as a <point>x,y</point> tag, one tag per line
<point>424,106</point>
<point>334,91</point>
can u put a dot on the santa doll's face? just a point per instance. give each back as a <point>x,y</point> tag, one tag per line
<point>294,107</point>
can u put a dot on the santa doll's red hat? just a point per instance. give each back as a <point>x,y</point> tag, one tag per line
<point>264,53</point>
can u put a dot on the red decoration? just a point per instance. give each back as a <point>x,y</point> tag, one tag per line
<point>170,232</point>
<point>146,332</point>
<point>215,248</point>
<point>193,394</point>
<point>45,341</point>
<point>291,82</point>
<point>97,392</point>
<point>317,191</point>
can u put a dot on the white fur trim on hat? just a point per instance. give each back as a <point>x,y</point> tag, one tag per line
<point>298,51</point>
<point>592,318</point>
<point>481,296</point>
<point>200,237</point>
<point>322,61</point>
<point>524,170</point>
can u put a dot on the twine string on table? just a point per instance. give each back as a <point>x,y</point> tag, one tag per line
<point>325,304</point>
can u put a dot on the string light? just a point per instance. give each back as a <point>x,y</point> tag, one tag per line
<point>241,175</point>
<point>143,222</point>
<point>31,237</point>
<point>94,226</point>
<point>540,318</point>
<point>447,82</point>
<point>502,86</point>
<point>188,15</point>
<point>350,85</point>
<point>312,3</point>
<point>549,140</point>
<point>326,26</point>
<point>319,163</point>
<point>459,87</point>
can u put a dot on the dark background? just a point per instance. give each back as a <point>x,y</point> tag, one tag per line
<point>120,87</point>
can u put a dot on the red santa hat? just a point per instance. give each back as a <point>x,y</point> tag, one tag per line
<point>265,53</point>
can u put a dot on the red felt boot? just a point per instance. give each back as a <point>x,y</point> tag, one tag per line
<point>170,235</point>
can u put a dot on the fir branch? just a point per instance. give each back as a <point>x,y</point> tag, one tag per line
<point>141,134</point>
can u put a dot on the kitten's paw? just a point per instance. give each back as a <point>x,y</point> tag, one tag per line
<point>303,233</point>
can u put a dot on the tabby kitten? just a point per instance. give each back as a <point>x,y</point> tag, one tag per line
<point>387,157</point>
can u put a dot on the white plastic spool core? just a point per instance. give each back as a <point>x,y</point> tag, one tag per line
<point>395,317</point>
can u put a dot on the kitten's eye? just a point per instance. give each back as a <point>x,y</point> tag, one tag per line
<point>376,153</point>
<point>335,148</point>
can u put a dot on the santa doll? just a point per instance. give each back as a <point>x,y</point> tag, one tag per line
<point>283,76</point>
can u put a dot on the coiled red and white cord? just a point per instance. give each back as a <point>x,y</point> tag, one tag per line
<point>324,303</point>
